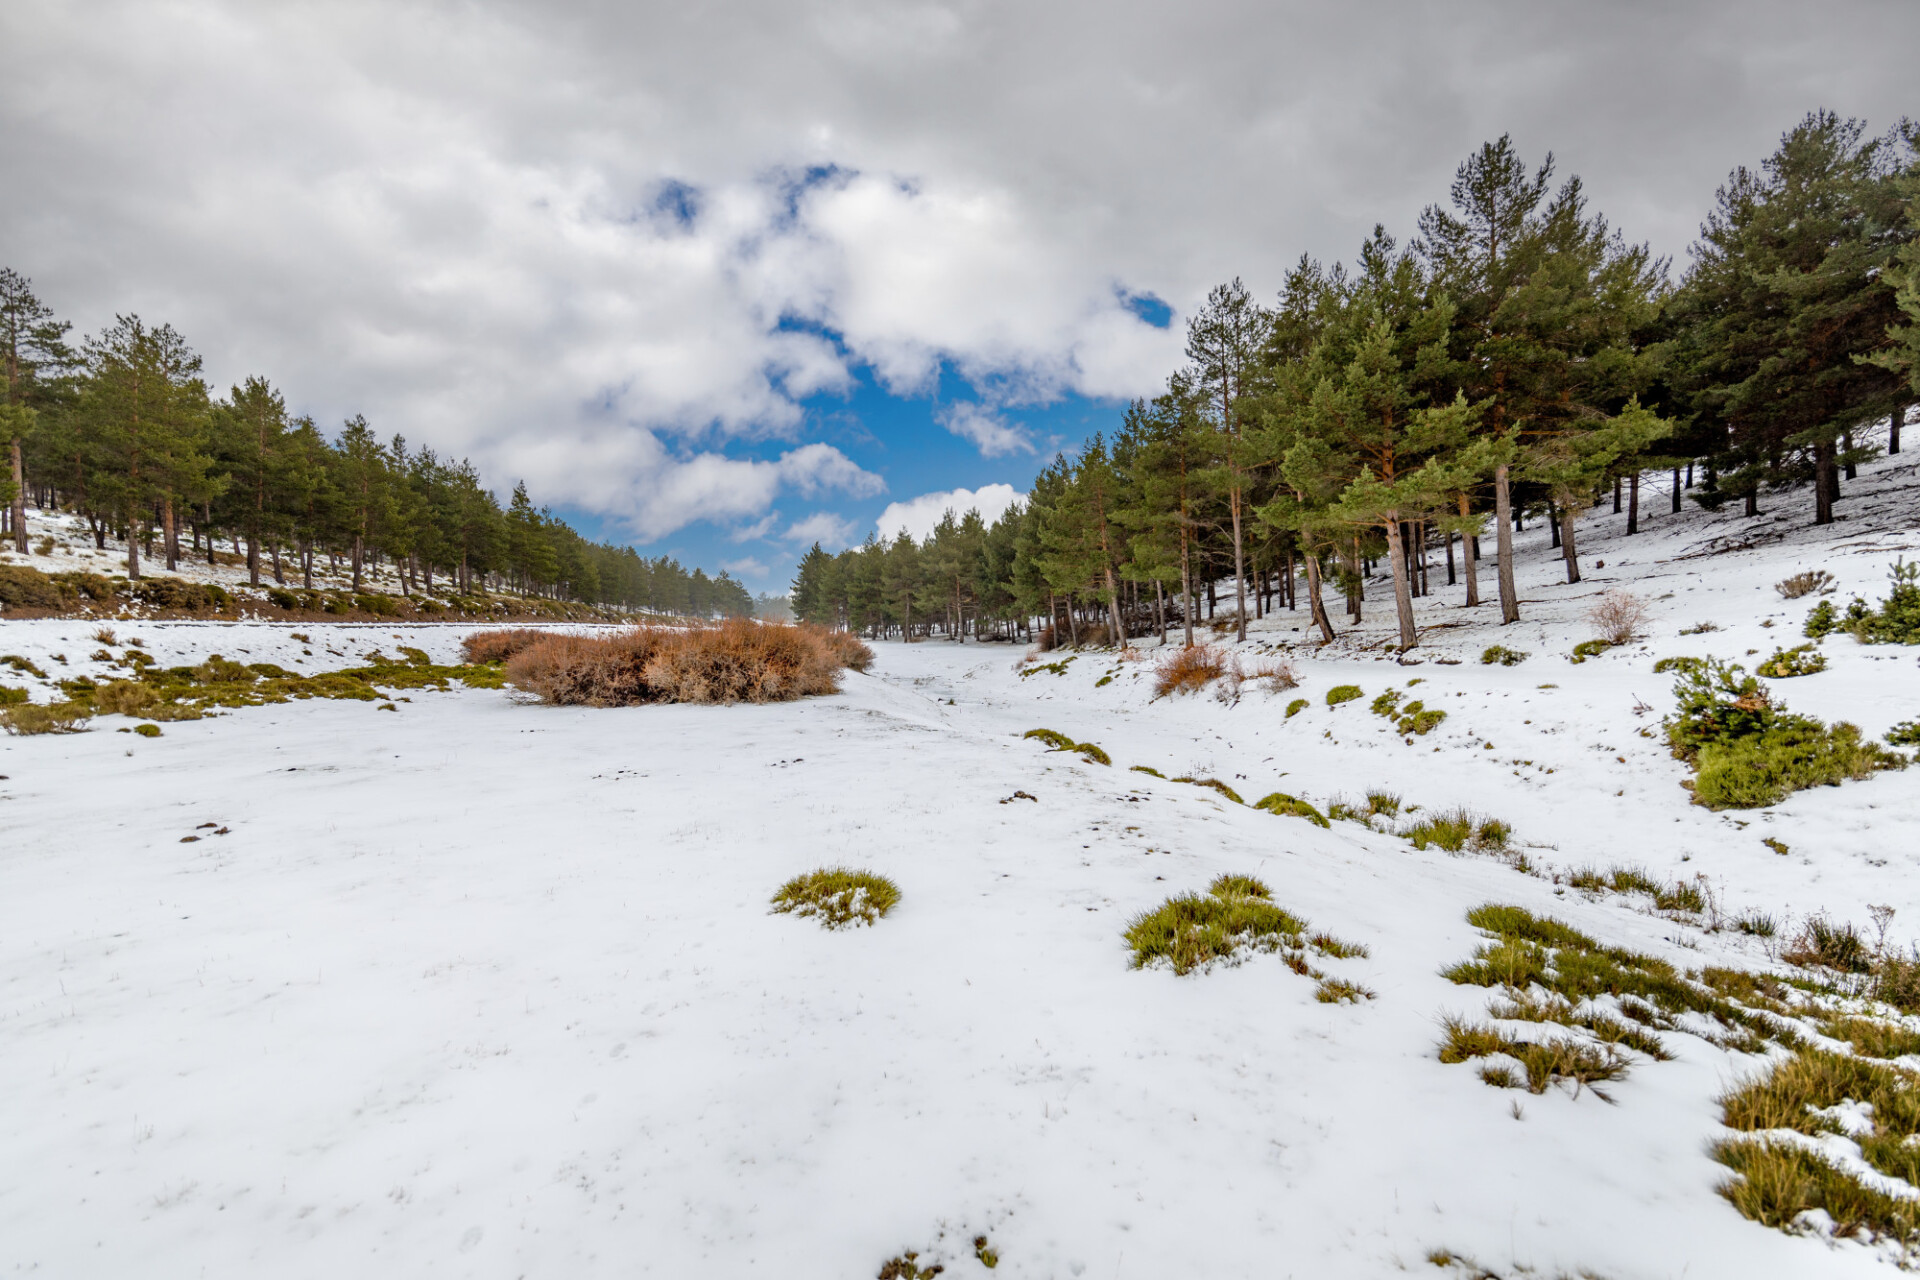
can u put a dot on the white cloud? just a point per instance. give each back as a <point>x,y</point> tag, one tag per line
<point>986,430</point>
<point>452,218</point>
<point>824,527</point>
<point>746,567</point>
<point>918,516</point>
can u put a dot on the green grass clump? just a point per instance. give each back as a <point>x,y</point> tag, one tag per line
<point>1385,802</point>
<point>1529,951</point>
<point>1872,1037</point>
<point>1501,655</point>
<point>1458,829</point>
<point>1343,693</point>
<point>1904,734</point>
<point>1192,931</point>
<point>1231,886</point>
<point>1295,707</point>
<point>1286,806</point>
<point>29,719</point>
<point>838,896</point>
<point>13,694</point>
<point>1805,660</point>
<point>1561,1060</point>
<point>1061,742</point>
<point>1216,785</point>
<point>24,666</point>
<point>1821,944</point>
<point>1681,664</point>
<point>906,1266</point>
<point>1146,769</point>
<point>1778,1181</point>
<point>1341,991</point>
<point>147,730</point>
<point>1589,649</point>
<point>1385,704</point>
<point>1680,895</point>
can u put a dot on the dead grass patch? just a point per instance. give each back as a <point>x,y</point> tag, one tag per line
<point>1189,670</point>
<point>498,646</point>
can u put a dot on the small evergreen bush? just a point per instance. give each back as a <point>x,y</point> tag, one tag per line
<point>1501,655</point>
<point>147,730</point>
<point>839,897</point>
<point>1897,621</point>
<point>1821,621</point>
<point>1680,664</point>
<point>1589,649</point>
<point>1295,707</point>
<point>1804,660</point>
<point>1904,734</point>
<point>1343,693</point>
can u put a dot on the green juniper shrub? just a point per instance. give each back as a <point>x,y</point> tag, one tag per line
<point>1821,621</point>
<point>1904,734</point>
<point>1685,666</point>
<point>1385,704</point>
<point>24,588</point>
<point>1295,707</point>
<point>838,896</point>
<point>1785,663</point>
<point>1897,621</point>
<point>1501,655</point>
<point>1052,737</point>
<point>1343,693</point>
<point>1415,718</point>
<point>147,730</point>
<point>1286,806</point>
<point>1748,753</point>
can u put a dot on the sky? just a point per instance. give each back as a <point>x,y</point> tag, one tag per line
<point>725,279</point>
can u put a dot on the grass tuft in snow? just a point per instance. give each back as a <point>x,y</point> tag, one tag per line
<point>1286,806</point>
<point>1341,991</point>
<point>1189,670</point>
<point>1298,705</point>
<point>1499,654</point>
<point>906,1266</point>
<point>1237,913</point>
<point>1876,1105</point>
<point>1460,829</point>
<point>1873,1038</point>
<point>1343,693</point>
<point>1556,1060</point>
<point>838,896</point>
<point>1216,785</point>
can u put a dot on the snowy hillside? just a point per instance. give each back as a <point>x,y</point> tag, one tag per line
<point>482,988</point>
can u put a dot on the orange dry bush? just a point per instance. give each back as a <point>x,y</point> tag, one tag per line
<point>497,646</point>
<point>738,660</point>
<point>1188,670</point>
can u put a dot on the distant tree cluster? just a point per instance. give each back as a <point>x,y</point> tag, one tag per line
<point>123,431</point>
<point>1517,356</point>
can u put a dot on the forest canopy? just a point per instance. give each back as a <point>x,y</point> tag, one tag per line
<point>1517,355</point>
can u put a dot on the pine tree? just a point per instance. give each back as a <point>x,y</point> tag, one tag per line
<point>33,357</point>
<point>1224,341</point>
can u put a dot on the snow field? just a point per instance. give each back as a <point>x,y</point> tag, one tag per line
<point>488,989</point>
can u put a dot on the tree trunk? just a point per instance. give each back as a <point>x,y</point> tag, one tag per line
<point>1633,503</point>
<point>20,501</point>
<point>1894,424</point>
<point>1553,525</point>
<point>1823,481</point>
<point>1452,578</point>
<point>1160,610</point>
<point>253,557</point>
<point>1566,538</point>
<point>1239,569</point>
<point>1186,589</point>
<point>1400,571</point>
<point>359,561</point>
<point>1846,443</point>
<point>1616,495</point>
<point>1676,491</point>
<point>1315,605</point>
<point>133,551</point>
<point>1503,551</point>
<point>1470,558</point>
<point>169,535</point>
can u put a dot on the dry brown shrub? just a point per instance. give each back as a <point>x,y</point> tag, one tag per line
<point>1617,616</point>
<point>498,646</point>
<point>1189,670</point>
<point>738,660</point>
<point>1277,672</point>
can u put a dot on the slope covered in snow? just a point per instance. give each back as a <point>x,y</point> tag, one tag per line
<point>483,988</point>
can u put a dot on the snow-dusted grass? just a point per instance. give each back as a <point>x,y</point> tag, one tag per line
<point>491,988</point>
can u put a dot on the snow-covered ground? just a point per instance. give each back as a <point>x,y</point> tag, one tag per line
<point>485,988</point>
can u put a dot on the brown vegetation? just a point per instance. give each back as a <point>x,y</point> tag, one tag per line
<point>738,660</point>
<point>498,646</point>
<point>1189,670</point>
<point>1617,615</point>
